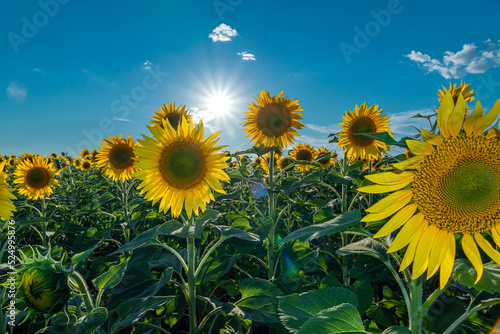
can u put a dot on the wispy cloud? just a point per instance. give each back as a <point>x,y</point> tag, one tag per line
<point>39,71</point>
<point>147,65</point>
<point>207,116</point>
<point>246,56</point>
<point>121,119</point>
<point>317,142</point>
<point>97,77</point>
<point>223,33</point>
<point>17,91</point>
<point>402,124</point>
<point>333,128</point>
<point>455,65</point>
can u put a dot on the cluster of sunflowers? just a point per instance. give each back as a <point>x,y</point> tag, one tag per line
<point>446,191</point>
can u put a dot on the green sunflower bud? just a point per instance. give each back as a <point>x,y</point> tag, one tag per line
<point>42,285</point>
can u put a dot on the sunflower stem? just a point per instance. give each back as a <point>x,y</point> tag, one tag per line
<point>416,305</point>
<point>270,244</point>
<point>44,225</point>
<point>82,287</point>
<point>192,282</point>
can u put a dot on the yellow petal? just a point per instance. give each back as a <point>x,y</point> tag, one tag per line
<point>481,124</point>
<point>418,147</point>
<point>390,178</point>
<point>448,260</point>
<point>471,120</point>
<point>457,117</point>
<point>487,248</point>
<point>492,133</point>
<point>437,253</point>
<point>495,233</point>
<point>470,249</point>
<point>443,113</point>
<point>380,189</point>
<point>409,231</point>
<point>409,162</point>
<point>410,251</point>
<point>434,139</point>
<point>425,244</point>
<point>390,200</point>
<point>397,220</point>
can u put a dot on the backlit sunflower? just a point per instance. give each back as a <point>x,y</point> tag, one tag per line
<point>35,179</point>
<point>272,120</point>
<point>171,113</point>
<point>362,120</point>
<point>180,168</point>
<point>117,156</point>
<point>303,152</point>
<point>327,162</point>
<point>6,197</point>
<point>454,190</point>
<point>456,91</point>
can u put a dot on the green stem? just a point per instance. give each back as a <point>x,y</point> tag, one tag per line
<point>82,287</point>
<point>44,225</point>
<point>468,313</point>
<point>416,305</point>
<point>207,254</point>
<point>204,321</point>
<point>192,282</point>
<point>271,203</point>
<point>154,326</point>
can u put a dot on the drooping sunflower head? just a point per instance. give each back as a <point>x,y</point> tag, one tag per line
<point>455,91</point>
<point>272,120</point>
<point>43,285</point>
<point>171,113</point>
<point>363,120</point>
<point>303,152</point>
<point>454,190</point>
<point>7,207</point>
<point>179,168</point>
<point>85,152</point>
<point>326,162</point>
<point>117,156</point>
<point>35,179</point>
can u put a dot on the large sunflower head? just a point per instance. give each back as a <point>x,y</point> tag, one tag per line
<point>35,178</point>
<point>272,120</point>
<point>179,168</point>
<point>362,120</point>
<point>43,285</point>
<point>451,187</point>
<point>455,91</point>
<point>171,113</point>
<point>303,152</point>
<point>117,155</point>
<point>6,197</point>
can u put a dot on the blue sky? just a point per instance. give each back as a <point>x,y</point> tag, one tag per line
<point>73,71</point>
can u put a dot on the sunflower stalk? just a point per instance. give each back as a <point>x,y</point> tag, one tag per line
<point>416,305</point>
<point>272,213</point>
<point>191,273</point>
<point>82,287</point>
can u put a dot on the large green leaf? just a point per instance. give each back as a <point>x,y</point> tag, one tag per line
<point>397,330</point>
<point>216,268</point>
<point>196,230</point>
<point>133,309</point>
<point>383,137</point>
<point>112,277</point>
<point>464,272</point>
<point>90,323</point>
<point>343,318</point>
<point>337,224</point>
<point>365,246</point>
<point>236,233</point>
<point>296,309</point>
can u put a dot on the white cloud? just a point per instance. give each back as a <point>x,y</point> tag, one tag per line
<point>246,56</point>
<point>402,124</point>
<point>223,33</point>
<point>17,91</point>
<point>122,119</point>
<point>39,71</point>
<point>457,64</point>
<point>206,116</point>
<point>147,65</point>
<point>334,128</point>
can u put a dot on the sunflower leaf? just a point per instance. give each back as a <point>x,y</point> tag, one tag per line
<point>384,137</point>
<point>465,273</point>
<point>343,318</point>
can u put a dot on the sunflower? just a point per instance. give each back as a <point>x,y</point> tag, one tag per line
<point>259,162</point>
<point>6,206</point>
<point>35,179</point>
<point>117,155</point>
<point>325,163</point>
<point>363,120</point>
<point>180,168</point>
<point>171,113</point>
<point>86,165</point>
<point>26,157</point>
<point>456,91</point>
<point>284,162</point>
<point>12,161</point>
<point>303,152</point>
<point>53,155</point>
<point>93,155</point>
<point>273,119</point>
<point>454,190</point>
<point>85,152</point>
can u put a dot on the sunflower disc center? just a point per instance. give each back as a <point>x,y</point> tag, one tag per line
<point>304,155</point>
<point>363,125</point>
<point>121,155</point>
<point>274,119</point>
<point>174,119</point>
<point>183,165</point>
<point>457,188</point>
<point>37,177</point>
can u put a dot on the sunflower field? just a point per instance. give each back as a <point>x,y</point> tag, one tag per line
<point>171,233</point>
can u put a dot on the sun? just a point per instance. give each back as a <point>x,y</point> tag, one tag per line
<point>219,104</point>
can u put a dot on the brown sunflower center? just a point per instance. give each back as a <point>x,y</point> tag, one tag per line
<point>120,156</point>
<point>362,125</point>
<point>304,155</point>
<point>174,119</point>
<point>37,177</point>
<point>86,165</point>
<point>457,188</point>
<point>183,165</point>
<point>274,119</point>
